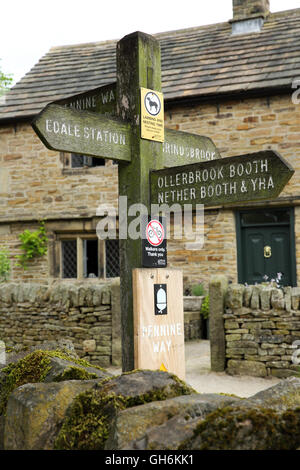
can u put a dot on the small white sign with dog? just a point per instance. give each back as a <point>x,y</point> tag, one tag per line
<point>152,115</point>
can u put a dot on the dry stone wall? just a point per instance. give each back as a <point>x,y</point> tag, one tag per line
<point>262,330</point>
<point>33,313</point>
<point>88,314</point>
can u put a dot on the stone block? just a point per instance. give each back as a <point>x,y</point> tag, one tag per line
<point>243,311</point>
<point>251,368</point>
<point>247,295</point>
<point>277,299</point>
<point>268,324</point>
<point>89,345</point>
<point>36,411</point>
<point>295,296</point>
<point>278,364</point>
<point>250,352</point>
<point>277,339</point>
<point>105,298</point>
<point>230,325</point>
<point>265,298</point>
<point>248,337</point>
<point>238,332</point>
<point>97,295</point>
<point>282,373</point>
<point>147,427</point>
<point>232,337</point>
<point>255,298</point>
<point>192,303</point>
<point>234,296</point>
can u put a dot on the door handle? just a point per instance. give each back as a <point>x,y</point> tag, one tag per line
<point>267,252</point>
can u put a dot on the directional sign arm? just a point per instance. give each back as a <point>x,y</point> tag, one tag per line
<point>97,100</point>
<point>83,132</point>
<point>244,178</point>
<point>181,148</point>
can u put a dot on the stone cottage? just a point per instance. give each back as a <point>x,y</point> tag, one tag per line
<point>235,82</point>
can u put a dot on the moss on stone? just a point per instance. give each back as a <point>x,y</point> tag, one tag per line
<point>86,426</point>
<point>68,357</point>
<point>75,373</point>
<point>232,395</point>
<point>239,428</point>
<point>34,367</point>
<point>287,400</point>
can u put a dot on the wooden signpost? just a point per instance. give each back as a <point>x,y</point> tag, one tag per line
<point>79,124</point>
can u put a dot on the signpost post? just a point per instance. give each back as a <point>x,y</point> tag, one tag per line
<point>152,317</point>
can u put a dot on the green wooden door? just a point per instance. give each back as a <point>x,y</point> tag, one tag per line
<point>266,252</point>
<point>266,247</point>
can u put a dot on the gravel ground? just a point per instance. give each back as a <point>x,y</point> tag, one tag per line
<point>200,377</point>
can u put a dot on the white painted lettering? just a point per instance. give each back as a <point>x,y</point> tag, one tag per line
<point>264,165</point>
<point>48,125</point>
<point>254,183</point>
<point>261,184</point>
<point>270,183</point>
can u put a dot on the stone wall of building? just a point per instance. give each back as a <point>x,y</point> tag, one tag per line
<point>35,184</point>
<point>262,330</point>
<point>239,127</point>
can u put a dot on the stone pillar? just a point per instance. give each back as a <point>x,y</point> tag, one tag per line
<point>217,290</point>
<point>116,343</point>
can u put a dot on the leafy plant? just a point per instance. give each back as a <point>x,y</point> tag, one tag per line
<point>34,245</point>
<point>198,290</point>
<point>4,265</point>
<point>205,307</point>
<point>5,82</point>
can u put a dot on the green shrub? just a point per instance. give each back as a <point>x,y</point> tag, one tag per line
<point>205,307</point>
<point>198,290</point>
<point>34,245</point>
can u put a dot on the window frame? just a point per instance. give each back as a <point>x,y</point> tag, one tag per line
<point>66,160</point>
<point>80,237</point>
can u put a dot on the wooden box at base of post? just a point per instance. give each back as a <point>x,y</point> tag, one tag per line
<point>159,320</point>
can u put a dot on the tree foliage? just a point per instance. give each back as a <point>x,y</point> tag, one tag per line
<point>5,82</point>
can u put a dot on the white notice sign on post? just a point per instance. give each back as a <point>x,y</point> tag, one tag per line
<point>159,320</point>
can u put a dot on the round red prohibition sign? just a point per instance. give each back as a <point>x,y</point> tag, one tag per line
<point>155,233</point>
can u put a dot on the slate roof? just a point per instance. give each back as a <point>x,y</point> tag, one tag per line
<point>197,62</point>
